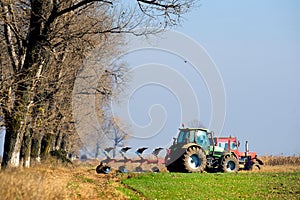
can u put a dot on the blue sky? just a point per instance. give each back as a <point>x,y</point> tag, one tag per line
<point>255,46</point>
<point>2,137</point>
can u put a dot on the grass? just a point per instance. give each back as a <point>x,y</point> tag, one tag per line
<point>80,181</point>
<point>49,182</point>
<point>30,184</point>
<point>130,193</point>
<point>268,185</point>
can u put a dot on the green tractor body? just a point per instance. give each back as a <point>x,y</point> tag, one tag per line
<point>194,150</point>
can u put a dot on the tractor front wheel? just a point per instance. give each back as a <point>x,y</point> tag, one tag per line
<point>194,160</point>
<point>230,164</point>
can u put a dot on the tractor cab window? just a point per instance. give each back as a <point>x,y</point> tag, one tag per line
<point>192,136</point>
<point>224,145</point>
<point>202,139</point>
<point>181,137</point>
<point>186,136</point>
<point>233,146</point>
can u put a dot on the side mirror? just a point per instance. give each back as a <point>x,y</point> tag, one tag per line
<point>238,143</point>
<point>174,140</point>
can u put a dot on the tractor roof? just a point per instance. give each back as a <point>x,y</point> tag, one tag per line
<point>202,129</point>
<point>226,138</point>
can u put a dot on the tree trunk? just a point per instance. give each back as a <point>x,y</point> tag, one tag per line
<point>114,151</point>
<point>46,145</point>
<point>16,121</point>
<point>17,118</point>
<point>63,144</point>
<point>12,144</point>
<point>97,150</point>
<point>36,149</point>
<point>15,155</point>
<point>58,141</point>
<point>26,148</point>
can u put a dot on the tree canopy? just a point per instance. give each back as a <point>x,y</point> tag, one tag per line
<point>44,43</point>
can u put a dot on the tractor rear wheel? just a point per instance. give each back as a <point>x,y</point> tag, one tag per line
<point>255,167</point>
<point>230,164</point>
<point>194,160</point>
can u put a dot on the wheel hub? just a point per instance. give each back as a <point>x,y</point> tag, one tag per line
<point>194,161</point>
<point>230,166</point>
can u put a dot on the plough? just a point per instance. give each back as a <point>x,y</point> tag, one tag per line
<point>124,164</point>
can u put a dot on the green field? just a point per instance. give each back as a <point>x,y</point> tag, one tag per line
<point>271,185</point>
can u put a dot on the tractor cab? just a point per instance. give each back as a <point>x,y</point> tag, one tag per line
<point>200,136</point>
<point>231,144</point>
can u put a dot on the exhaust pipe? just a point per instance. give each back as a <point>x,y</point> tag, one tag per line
<point>246,148</point>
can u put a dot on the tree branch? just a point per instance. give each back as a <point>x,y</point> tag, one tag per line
<point>78,5</point>
<point>55,13</point>
<point>155,3</point>
<point>8,37</point>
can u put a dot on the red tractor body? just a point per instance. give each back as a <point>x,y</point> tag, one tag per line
<point>248,160</point>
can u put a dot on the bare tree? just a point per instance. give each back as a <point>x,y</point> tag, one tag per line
<point>44,43</point>
<point>116,132</point>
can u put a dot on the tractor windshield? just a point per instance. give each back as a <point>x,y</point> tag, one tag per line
<point>197,136</point>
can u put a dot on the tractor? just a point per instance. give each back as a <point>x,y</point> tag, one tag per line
<point>188,151</point>
<point>247,160</point>
<point>196,150</point>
